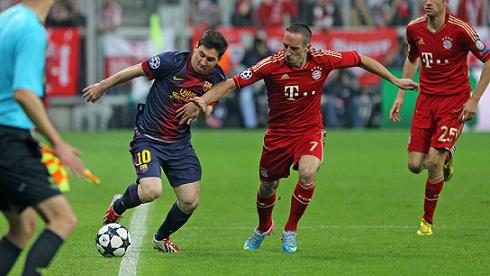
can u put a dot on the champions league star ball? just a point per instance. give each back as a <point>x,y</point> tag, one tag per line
<point>112,240</point>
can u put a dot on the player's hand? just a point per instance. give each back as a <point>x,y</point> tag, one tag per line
<point>70,157</point>
<point>407,84</point>
<point>395,109</point>
<point>200,103</point>
<point>93,92</point>
<point>469,110</point>
<point>187,113</point>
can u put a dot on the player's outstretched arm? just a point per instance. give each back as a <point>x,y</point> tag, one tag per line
<point>93,92</point>
<point>219,91</point>
<point>409,70</point>
<point>34,108</point>
<point>469,108</point>
<point>377,68</point>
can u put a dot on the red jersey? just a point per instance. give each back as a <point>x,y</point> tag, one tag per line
<point>443,55</point>
<point>295,93</point>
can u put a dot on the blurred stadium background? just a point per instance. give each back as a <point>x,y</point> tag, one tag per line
<point>91,39</point>
<point>363,218</point>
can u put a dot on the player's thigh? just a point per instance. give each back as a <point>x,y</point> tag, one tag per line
<point>449,126</point>
<point>182,166</point>
<point>276,159</point>
<point>145,158</point>
<point>308,151</point>
<point>423,125</point>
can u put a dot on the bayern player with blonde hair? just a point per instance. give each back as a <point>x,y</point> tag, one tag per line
<point>440,43</point>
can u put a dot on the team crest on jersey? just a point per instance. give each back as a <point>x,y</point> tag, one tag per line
<point>316,73</point>
<point>246,75</point>
<point>421,41</point>
<point>207,85</point>
<point>143,168</point>
<point>154,62</point>
<point>263,172</point>
<point>447,43</point>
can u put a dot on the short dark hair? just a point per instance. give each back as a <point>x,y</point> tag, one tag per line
<point>301,28</point>
<point>214,40</point>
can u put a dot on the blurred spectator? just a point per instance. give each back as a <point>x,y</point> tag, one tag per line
<point>472,12</point>
<point>344,102</point>
<point>242,16</point>
<point>65,13</point>
<point>111,18</point>
<point>204,14</point>
<point>399,12</point>
<point>276,13</point>
<point>98,117</point>
<point>326,14</point>
<point>360,14</point>
<point>247,101</point>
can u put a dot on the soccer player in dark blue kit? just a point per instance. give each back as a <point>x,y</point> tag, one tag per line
<point>159,140</point>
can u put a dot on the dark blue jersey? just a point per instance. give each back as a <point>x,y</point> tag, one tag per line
<point>175,84</point>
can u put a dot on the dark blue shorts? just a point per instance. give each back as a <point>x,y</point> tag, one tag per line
<point>178,160</point>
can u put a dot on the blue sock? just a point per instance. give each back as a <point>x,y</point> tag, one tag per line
<point>8,255</point>
<point>174,220</point>
<point>42,252</point>
<point>130,199</point>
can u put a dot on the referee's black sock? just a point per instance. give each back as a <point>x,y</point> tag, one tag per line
<point>174,220</point>
<point>8,255</point>
<point>42,252</point>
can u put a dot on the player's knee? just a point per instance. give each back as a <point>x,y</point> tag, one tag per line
<point>22,234</point>
<point>151,191</point>
<point>307,175</point>
<point>434,165</point>
<point>415,167</point>
<point>63,223</point>
<point>188,206</point>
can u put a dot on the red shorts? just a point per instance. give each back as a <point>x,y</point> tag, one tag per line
<point>436,122</point>
<point>280,152</point>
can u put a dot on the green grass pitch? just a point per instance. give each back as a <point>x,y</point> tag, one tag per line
<point>361,221</point>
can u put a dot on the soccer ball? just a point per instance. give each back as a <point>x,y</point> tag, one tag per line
<point>112,240</point>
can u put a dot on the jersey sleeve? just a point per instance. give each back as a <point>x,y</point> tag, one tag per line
<point>30,61</point>
<point>473,43</point>
<point>413,51</point>
<point>343,59</point>
<point>253,74</point>
<point>158,66</point>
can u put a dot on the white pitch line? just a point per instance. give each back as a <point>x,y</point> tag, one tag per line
<point>137,230</point>
<point>313,227</point>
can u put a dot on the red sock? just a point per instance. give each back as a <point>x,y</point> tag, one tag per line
<point>299,201</point>
<point>264,208</point>
<point>432,190</point>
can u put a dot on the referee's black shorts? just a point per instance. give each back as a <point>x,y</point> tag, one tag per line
<point>24,180</point>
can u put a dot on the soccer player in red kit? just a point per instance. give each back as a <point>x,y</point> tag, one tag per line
<point>294,78</point>
<point>440,42</point>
